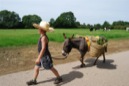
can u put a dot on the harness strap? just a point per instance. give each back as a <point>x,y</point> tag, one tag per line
<point>88,43</point>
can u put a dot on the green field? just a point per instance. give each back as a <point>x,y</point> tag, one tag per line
<point>24,37</point>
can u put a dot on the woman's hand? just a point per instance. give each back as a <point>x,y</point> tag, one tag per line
<point>37,61</point>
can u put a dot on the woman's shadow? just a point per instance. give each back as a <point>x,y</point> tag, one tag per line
<point>66,77</point>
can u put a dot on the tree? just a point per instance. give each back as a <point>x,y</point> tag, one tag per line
<point>88,26</point>
<point>28,20</point>
<point>83,25</point>
<point>106,24</point>
<point>97,26</point>
<point>120,24</point>
<point>52,21</point>
<point>78,24</point>
<point>9,19</point>
<point>66,20</point>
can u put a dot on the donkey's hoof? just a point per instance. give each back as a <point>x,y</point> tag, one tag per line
<point>104,61</point>
<point>82,65</point>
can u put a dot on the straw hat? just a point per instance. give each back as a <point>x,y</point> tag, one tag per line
<point>44,26</point>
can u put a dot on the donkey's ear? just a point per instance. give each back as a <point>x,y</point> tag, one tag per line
<point>72,36</point>
<point>64,35</point>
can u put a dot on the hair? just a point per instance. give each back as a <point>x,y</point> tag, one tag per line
<point>42,30</point>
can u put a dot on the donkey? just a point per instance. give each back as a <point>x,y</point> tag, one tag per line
<point>79,44</point>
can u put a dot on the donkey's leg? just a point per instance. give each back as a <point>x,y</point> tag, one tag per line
<point>104,58</point>
<point>96,60</point>
<point>82,61</point>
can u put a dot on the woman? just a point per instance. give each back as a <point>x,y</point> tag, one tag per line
<point>44,58</point>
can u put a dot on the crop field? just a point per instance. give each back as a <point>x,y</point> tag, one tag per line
<point>23,37</point>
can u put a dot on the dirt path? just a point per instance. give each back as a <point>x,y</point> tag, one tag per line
<point>113,73</point>
<point>16,59</point>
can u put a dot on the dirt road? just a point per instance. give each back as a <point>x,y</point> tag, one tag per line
<point>15,59</point>
<point>115,72</point>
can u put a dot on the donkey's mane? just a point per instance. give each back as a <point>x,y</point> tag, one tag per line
<point>77,39</point>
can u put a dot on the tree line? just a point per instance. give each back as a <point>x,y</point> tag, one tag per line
<point>9,20</point>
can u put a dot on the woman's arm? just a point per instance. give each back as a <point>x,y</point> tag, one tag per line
<point>43,41</point>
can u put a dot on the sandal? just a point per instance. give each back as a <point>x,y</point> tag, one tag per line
<point>31,82</point>
<point>58,80</point>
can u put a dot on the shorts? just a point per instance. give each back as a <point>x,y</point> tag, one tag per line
<point>45,62</point>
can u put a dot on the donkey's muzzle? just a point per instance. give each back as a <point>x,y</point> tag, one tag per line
<point>64,54</point>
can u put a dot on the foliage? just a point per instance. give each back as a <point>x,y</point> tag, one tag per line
<point>120,25</point>
<point>28,20</point>
<point>66,20</point>
<point>78,24</point>
<point>9,19</point>
<point>97,26</point>
<point>106,24</point>
<point>83,25</point>
<point>52,21</point>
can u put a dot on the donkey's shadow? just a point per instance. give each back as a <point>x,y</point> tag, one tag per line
<point>66,77</point>
<point>107,65</point>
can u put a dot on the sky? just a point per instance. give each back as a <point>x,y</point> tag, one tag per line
<point>86,11</point>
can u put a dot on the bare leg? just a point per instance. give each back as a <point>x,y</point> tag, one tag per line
<point>59,78</point>
<point>103,57</point>
<point>36,72</point>
<point>55,72</point>
<point>96,60</point>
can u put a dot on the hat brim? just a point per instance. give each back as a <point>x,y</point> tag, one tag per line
<point>50,29</point>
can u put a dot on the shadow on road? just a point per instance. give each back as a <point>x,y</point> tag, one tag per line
<point>107,65</point>
<point>66,77</point>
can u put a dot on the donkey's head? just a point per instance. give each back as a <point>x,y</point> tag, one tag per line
<point>67,47</point>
